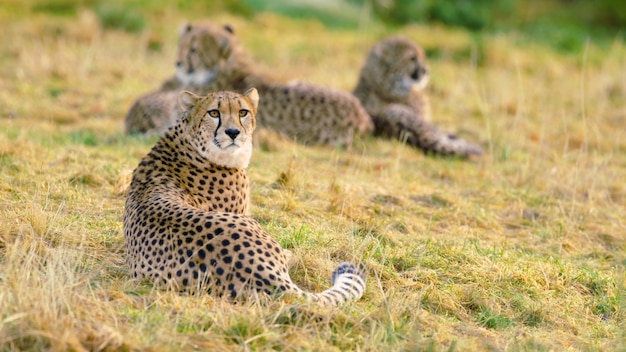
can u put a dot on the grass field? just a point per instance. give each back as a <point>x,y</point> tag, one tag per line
<point>523,250</point>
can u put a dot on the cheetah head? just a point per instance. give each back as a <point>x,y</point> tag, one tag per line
<point>219,126</point>
<point>394,67</point>
<point>203,49</point>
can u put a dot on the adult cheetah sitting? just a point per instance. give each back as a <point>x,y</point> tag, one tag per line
<point>391,88</point>
<point>210,58</point>
<point>185,222</point>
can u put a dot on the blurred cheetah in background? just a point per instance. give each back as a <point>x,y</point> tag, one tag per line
<point>210,58</point>
<point>391,88</point>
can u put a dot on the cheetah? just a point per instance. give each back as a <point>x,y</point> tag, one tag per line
<point>185,219</point>
<point>391,88</point>
<point>210,58</point>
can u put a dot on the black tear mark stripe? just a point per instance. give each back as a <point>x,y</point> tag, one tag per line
<point>191,42</point>
<point>219,120</point>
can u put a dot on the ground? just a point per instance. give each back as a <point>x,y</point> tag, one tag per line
<point>522,250</point>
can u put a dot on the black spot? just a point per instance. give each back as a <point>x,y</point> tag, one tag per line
<point>219,271</point>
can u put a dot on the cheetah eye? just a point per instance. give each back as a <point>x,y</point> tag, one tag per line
<point>192,50</point>
<point>214,113</point>
<point>243,113</point>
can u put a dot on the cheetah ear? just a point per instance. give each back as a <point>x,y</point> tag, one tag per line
<point>253,97</point>
<point>229,28</point>
<point>187,100</point>
<point>184,28</point>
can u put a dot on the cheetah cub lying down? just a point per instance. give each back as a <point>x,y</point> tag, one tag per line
<point>185,222</point>
<point>391,87</point>
<point>210,58</point>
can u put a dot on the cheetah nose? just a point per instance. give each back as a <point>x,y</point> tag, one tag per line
<point>418,73</point>
<point>179,63</point>
<point>232,132</point>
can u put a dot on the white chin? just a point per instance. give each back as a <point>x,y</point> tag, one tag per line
<point>232,156</point>
<point>421,84</point>
<point>196,78</point>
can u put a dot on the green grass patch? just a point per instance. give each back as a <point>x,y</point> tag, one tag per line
<point>120,18</point>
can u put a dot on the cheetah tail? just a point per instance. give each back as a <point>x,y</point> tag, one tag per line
<point>348,283</point>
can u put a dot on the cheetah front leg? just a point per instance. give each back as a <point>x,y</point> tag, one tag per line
<point>400,122</point>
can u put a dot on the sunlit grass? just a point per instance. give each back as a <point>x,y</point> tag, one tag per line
<point>522,250</point>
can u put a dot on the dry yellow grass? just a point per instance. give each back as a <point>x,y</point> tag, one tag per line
<point>523,250</point>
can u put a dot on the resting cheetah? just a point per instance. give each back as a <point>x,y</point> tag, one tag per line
<point>391,88</point>
<point>210,58</point>
<point>185,222</point>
